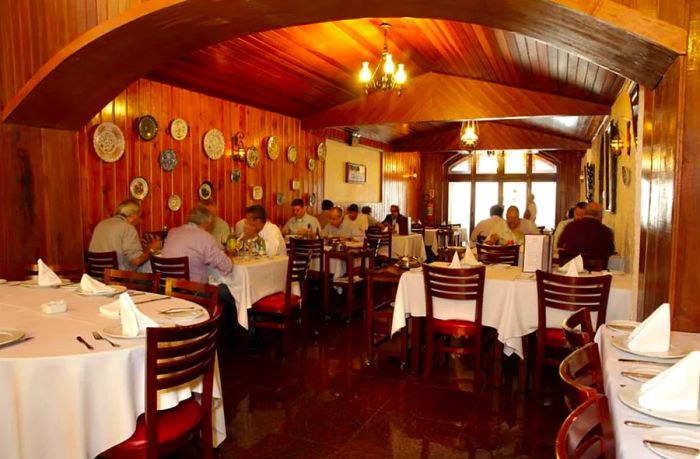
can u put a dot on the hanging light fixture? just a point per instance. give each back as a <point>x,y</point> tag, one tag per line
<point>386,76</point>
<point>469,134</point>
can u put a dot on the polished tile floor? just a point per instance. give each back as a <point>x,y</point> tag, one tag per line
<point>320,401</point>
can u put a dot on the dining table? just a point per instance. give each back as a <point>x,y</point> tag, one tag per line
<point>60,399</point>
<point>627,422</point>
<point>410,245</point>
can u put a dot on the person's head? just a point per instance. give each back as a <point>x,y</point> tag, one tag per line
<point>335,216</point>
<point>130,209</point>
<point>298,207</point>
<point>570,213</point>
<point>210,204</point>
<point>202,217</point>
<point>394,211</point>
<point>353,210</point>
<point>255,217</point>
<point>513,217</point>
<point>367,210</point>
<point>326,204</point>
<point>594,210</point>
<point>530,198</point>
<point>580,210</point>
<point>496,210</point>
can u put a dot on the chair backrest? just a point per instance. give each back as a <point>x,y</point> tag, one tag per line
<point>373,229</point>
<point>591,262</point>
<point>418,229</point>
<point>313,248</point>
<point>492,254</point>
<point>570,294</point>
<point>145,282</point>
<point>206,295</point>
<point>297,271</point>
<point>587,432</point>
<point>454,284</point>
<point>582,375</point>
<point>97,262</point>
<point>176,356</point>
<point>375,241</point>
<point>445,237</point>
<point>578,329</point>
<point>177,268</point>
<point>69,271</point>
<point>447,253</point>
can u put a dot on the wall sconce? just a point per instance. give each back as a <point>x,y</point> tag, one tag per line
<point>413,175</point>
<point>238,146</point>
<point>617,144</point>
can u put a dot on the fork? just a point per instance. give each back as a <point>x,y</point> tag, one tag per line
<point>97,336</point>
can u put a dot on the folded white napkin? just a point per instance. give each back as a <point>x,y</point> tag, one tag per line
<point>576,262</point>
<point>133,320</point>
<point>469,259</point>
<point>675,389</point>
<point>91,285</point>
<point>111,310</point>
<point>455,262</point>
<point>46,275</point>
<point>571,271</point>
<point>654,334</point>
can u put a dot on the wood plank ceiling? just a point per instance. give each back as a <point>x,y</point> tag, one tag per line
<point>308,71</point>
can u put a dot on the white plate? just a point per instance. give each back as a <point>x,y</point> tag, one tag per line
<point>673,435</point>
<point>643,373</point>
<point>10,335</point>
<point>116,290</point>
<point>625,326</point>
<point>115,331</point>
<point>2,281</point>
<point>629,395</point>
<point>563,270</point>
<point>674,352</point>
<point>32,284</point>
<point>184,316</point>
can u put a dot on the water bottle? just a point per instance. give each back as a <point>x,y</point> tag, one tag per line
<point>261,247</point>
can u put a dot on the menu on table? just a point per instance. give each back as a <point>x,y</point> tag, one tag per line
<point>538,253</point>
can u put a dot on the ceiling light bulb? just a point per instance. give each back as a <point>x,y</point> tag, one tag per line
<point>400,76</point>
<point>365,73</point>
<point>389,65</point>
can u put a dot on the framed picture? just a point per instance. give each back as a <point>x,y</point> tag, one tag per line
<point>355,173</point>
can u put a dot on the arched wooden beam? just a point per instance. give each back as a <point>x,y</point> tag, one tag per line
<point>438,97</point>
<point>81,78</point>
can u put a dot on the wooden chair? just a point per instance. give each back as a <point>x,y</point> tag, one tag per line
<point>375,242</point>
<point>380,313</point>
<point>176,268</point>
<point>578,329</point>
<point>568,294</point>
<point>587,432</point>
<point>353,280</point>
<point>447,253</point>
<point>591,262</point>
<point>175,356</point>
<point>313,248</point>
<point>97,262</point>
<point>492,254</point>
<point>205,295</point>
<point>461,285</point>
<point>418,229</point>
<point>145,282</point>
<point>445,237</point>
<point>69,271</point>
<point>279,310</point>
<point>582,375</point>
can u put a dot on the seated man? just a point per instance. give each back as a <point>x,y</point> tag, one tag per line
<point>355,224</point>
<point>258,224</point>
<point>302,223</point>
<point>221,230</point>
<point>118,234</point>
<point>575,213</point>
<point>335,228</point>
<point>588,235</point>
<point>324,216</point>
<point>493,230</point>
<point>395,219</point>
<point>519,226</point>
<point>239,228</point>
<point>371,221</point>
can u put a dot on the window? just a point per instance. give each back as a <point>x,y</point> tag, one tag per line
<point>515,194</point>
<point>462,167</point>
<point>486,163</point>
<point>515,162</point>
<point>546,200</point>
<point>460,203</point>
<point>541,165</point>
<point>485,197</point>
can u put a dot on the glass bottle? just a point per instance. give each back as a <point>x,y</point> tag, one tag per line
<point>309,233</point>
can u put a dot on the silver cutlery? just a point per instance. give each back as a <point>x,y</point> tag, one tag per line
<point>673,447</point>
<point>136,293</point>
<point>642,425</point>
<point>153,299</point>
<point>97,336</point>
<point>635,374</point>
<point>81,340</point>
<point>663,364</point>
<point>26,338</point>
<point>176,310</point>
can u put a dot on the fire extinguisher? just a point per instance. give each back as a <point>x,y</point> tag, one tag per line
<point>429,202</point>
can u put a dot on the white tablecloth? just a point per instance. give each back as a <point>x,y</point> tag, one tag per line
<point>510,304</point>
<point>407,246</point>
<point>60,400</point>
<point>629,439</point>
<point>252,280</point>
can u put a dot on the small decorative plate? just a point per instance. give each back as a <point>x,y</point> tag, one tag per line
<point>321,151</point>
<point>139,188</point>
<point>294,184</point>
<point>279,199</point>
<point>206,190</point>
<point>257,193</point>
<point>312,199</point>
<point>252,157</point>
<point>179,129</point>
<point>168,160</point>
<point>311,164</point>
<point>236,175</point>
<point>214,144</point>
<point>292,154</point>
<point>147,127</point>
<point>108,141</point>
<point>174,202</point>
<point>272,147</point>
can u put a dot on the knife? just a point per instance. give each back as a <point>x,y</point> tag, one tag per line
<point>635,374</point>
<point>154,299</point>
<point>87,345</point>
<point>673,447</point>
<point>663,364</point>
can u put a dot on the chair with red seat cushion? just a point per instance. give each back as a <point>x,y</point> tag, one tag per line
<point>454,284</point>
<point>279,310</point>
<point>566,293</point>
<point>175,356</point>
<point>587,432</point>
<point>582,375</point>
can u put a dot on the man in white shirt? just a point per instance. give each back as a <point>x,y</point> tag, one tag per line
<point>256,221</point>
<point>355,223</point>
<point>334,228</point>
<point>519,226</point>
<point>301,223</point>
<point>239,228</point>
<point>493,230</point>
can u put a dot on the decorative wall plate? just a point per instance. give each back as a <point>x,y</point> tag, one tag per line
<point>294,184</point>
<point>321,151</point>
<point>108,141</point>
<point>168,160</point>
<point>139,188</point>
<point>311,164</point>
<point>236,175</point>
<point>214,144</point>
<point>292,154</point>
<point>279,199</point>
<point>206,190</point>
<point>174,202</point>
<point>312,199</point>
<point>252,157</point>
<point>147,127</point>
<point>179,129</point>
<point>257,193</point>
<point>272,147</point>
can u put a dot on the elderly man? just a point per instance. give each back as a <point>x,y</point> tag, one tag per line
<point>221,230</point>
<point>371,221</point>
<point>493,230</point>
<point>258,225</point>
<point>301,222</point>
<point>324,216</point>
<point>394,219</point>
<point>334,228</point>
<point>519,226</point>
<point>118,234</point>
<point>588,235</point>
<point>355,223</point>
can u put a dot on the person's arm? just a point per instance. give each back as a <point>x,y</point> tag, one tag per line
<point>286,228</point>
<point>134,251</point>
<point>215,257</point>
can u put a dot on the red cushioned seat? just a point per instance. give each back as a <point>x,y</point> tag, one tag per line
<point>555,337</point>
<point>275,303</point>
<point>455,327</point>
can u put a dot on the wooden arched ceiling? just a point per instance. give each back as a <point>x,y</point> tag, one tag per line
<point>92,70</point>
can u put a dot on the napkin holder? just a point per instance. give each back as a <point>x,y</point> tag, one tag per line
<point>54,307</point>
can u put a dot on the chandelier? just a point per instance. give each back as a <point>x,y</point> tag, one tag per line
<point>385,76</point>
<point>469,134</point>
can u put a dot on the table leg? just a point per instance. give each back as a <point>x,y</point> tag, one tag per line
<point>326,287</point>
<point>415,324</point>
<point>522,367</point>
<point>370,321</point>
